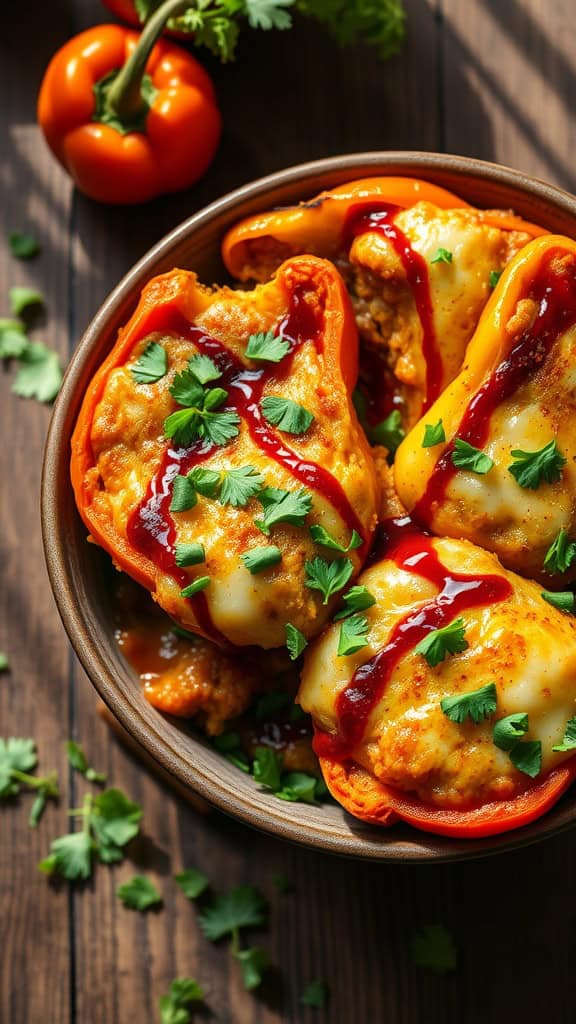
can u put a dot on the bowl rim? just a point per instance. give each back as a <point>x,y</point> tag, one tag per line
<point>423,848</point>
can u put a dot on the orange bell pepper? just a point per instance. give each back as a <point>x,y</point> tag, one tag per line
<point>127,116</point>
<point>370,800</point>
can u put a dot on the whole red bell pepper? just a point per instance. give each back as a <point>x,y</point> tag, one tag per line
<point>127,116</point>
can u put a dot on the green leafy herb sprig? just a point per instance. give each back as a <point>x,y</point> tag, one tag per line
<point>109,822</point>
<point>18,759</point>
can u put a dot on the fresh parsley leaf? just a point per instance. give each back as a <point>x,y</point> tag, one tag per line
<point>24,299</point>
<point>560,554</point>
<point>476,704</point>
<point>527,757</point>
<point>286,414</point>
<point>466,456</point>
<point>253,963</point>
<point>115,818</point>
<point>204,369</point>
<point>110,821</point>
<point>267,347</point>
<point>192,882</point>
<point>353,635</point>
<point>389,432</point>
<point>4,663</point>
<point>267,14</point>
<point>23,246</point>
<point>295,641</point>
<point>564,600</point>
<point>221,427</point>
<point>434,434</point>
<point>13,340</point>
<point>70,856</point>
<point>433,947</point>
<point>328,577</point>
<point>267,768</point>
<point>240,485</point>
<point>283,507</point>
<point>196,586</point>
<point>184,496</point>
<point>299,787</point>
<point>139,894</point>
<point>493,277</point>
<point>259,559</point>
<point>242,907</point>
<point>357,599</point>
<point>442,256</point>
<point>569,741</point>
<point>270,704</point>
<point>187,390</point>
<point>79,761</point>
<point>189,554</point>
<point>214,398</point>
<point>175,1006</point>
<point>530,468</point>
<point>17,759</point>
<point>507,731</point>
<point>198,419</point>
<point>151,365</point>
<point>321,536</point>
<point>39,375</point>
<point>205,481</point>
<point>316,994</point>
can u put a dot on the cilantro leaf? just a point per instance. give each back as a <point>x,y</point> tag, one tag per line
<point>139,894</point>
<point>564,600</point>
<point>530,468</point>
<point>13,340</point>
<point>433,947</point>
<point>16,755</point>
<point>240,485</point>
<point>328,577</point>
<point>299,787</point>
<point>316,994</point>
<point>184,496</point>
<point>70,856</point>
<point>24,299</point>
<point>507,731</point>
<point>286,414</point>
<point>189,554</point>
<point>353,635</point>
<point>192,882</point>
<point>205,481</point>
<point>321,536</point>
<point>115,818</point>
<point>267,768</point>
<point>4,663</point>
<point>151,365</point>
<point>434,434</point>
<point>267,14</point>
<point>295,641</point>
<point>527,757</point>
<point>493,277</point>
<point>221,427</point>
<point>442,256</point>
<point>389,432</point>
<point>242,907</point>
<point>267,347</point>
<point>283,507</point>
<point>39,375</point>
<point>204,369</point>
<point>196,586</point>
<point>253,962</point>
<point>466,456</point>
<point>357,599</point>
<point>380,24</point>
<point>259,559</point>
<point>187,390</point>
<point>569,741</point>
<point>23,246</point>
<point>79,762</point>
<point>182,994</point>
<point>198,419</point>
<point>476,704</point>
<point>560,554</point>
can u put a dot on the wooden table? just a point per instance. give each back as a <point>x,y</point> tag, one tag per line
<point>482,77</point>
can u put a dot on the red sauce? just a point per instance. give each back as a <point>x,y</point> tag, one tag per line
<point>151,530</point>
<point>379,218</point>
<point>411,550</point>
<point>555,294</point>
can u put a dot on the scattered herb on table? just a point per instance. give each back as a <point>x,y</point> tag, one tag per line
<point>192,882</point>
<point>13,338</point>
<point>139,894</point>
<point>4,663</point>
<point>79,762</point>
<point>433,947</point>
<point>23,245</point>
<point>22,300</point>
<point>18,758</point>
<point>316,994</point>
<point>182,995</point>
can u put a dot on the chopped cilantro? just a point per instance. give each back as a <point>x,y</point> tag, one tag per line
<point>527,757</point>
<point>196,586</point>
<point>283,507</point>
<point>39,375</point>
<point>569,741</point>
<point>530,468</point>
<point>267,768</point>
<point>79,762</point>
<point>70,856</point>
<point>286,414</point>
<point>328,577</point>
<point>109,821</point>
<point>242,907</point>
<point>433,947</point>
<point>4,663</point>
<point>389,432</point>
<point>152,365</point>
<point>259,559</point>
<point>353,635</point>
<point>434,434</point>
<point>253,961</point>
<point>564,600</point>
<point>507,731</point>
<point>204,369</point>
<point>205,481</point>
<point>17,759</point>
<point>295,641</point>
<point>184,496</point>
<point>493,277</point>
<point>175,1006</point>
<point>299,787</point>
<point>316,994</point>
<point>139,894</point>
<point>440,642</point>
<point>23,246</point>
<point>192,882</point>
<point>442,256</point>
<point>13,339</point>
<point>198,418</point>
<point>24,299</point>
<point>476,704</point>
<point>357,599</point>
<point>189,554</point>
<point>466,456</point>
<point>240,485</point>
<point>267,347</point>
<point>560,554</point>
<point>321,536</point>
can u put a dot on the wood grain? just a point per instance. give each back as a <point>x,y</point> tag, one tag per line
<point>476,77</point>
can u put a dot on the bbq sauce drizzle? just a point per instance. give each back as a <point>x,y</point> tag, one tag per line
<point>413,551</point>
<point>555,294</point>
<point>151,529</point>
<point>380,219</point>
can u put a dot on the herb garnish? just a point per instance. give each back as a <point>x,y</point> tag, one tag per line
<point>18,758</point>
<point>204,368</point>
<point>530,468</point>
<point>198,419</point>
<point>321,536</point>
<point>205,481</point>
<point>4,663</point>
<point>560,554</point>
<point>267,347</point>
<point>192,882</point>
<point>239,485</point>
<point>316,994</point>
<point>507,731</point>
<point>39,374</point>
<point>79,762</point>
<point>442,256</point>
<point>564,600</point>
<point>189,554</point>
<point>493,277</point>
<point>259,559</point>
<point>286,414</point>
<point>184,496</point>
<point>152,365</point>
<point>476,704</point>
<point>527,757</point>
<point>13,340</point>
<point>24,299</point>
<point>109,821</point>
<point>357,599</point>
<point>139,894</point>
<point>23,246</point>
<point>242,907</point>
<point>175,1006</point>
<point>295,641</point>
<point>328,577</point>
<point>353,635</point>
<point>466,456</point>
<point>434,434</point>
<point>283,507</point>
<point>569,741</point>
<point>196,586</point>
<point>440,642</point>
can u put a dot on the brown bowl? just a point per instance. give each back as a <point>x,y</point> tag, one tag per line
<point>78,570</point>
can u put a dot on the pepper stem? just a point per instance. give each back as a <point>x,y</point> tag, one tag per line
<point>124,97</point>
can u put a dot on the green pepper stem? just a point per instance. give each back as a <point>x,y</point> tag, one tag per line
<point>125,94</point>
